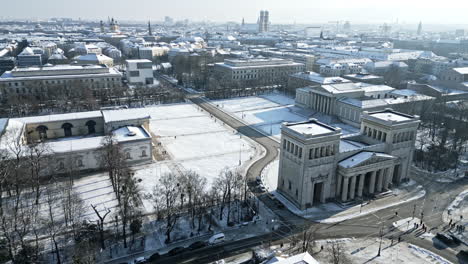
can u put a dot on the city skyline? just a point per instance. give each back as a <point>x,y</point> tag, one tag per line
<point>294,11</point>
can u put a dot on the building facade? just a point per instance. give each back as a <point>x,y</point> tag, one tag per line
<point>76,141</point>
<point>37,80</point>
<point>140,72</point>
<point>318,163</point>
<point>257,71</point>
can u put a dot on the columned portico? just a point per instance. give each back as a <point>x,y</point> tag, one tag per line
<point>367,177</point>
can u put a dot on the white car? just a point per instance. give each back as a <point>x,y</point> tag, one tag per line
<point>139,260</point>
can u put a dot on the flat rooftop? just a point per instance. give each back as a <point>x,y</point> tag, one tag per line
<point>311,128</point>
<point>389,116</point>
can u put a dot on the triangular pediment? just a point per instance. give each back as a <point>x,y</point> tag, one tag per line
<point>363,159</point>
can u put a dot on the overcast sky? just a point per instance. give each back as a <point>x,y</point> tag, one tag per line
<point>284,11</point>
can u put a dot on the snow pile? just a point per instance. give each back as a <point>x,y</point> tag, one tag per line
<point>426,254</point>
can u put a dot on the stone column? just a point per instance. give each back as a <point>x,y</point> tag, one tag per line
<point>361,184</point>
<point>353,187</point>
<point>312,189</point>
<point>339,180</point>
<point>390,175</point>
<point>385,179</point>
<point>344,189</point>
<point>372,183</point>
<point>380,174</point>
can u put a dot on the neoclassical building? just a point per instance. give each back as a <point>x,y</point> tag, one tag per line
<point>75,141</point>
<point>318,163</point>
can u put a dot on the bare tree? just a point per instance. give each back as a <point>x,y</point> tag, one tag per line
<point>129,202</point>
<point>168,193</point>
<point>336,254</point>
<point>52,225</point>
<point>100,222</point>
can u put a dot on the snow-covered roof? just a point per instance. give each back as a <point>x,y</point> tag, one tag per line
<point>361,157</point>
<point>463,70</point>
<point>122,115</point>
<point>303,258</point>
<point>390,116</point>
<point>59,117</point>
<point>311,127</point>
<point>27,51</point>
<point>350,145</point>
<point>130,133</point>
<point>93,57</point>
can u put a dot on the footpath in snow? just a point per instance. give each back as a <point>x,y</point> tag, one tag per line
<point>365,251</point>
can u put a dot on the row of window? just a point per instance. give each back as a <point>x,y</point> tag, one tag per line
<point>375,134</point>
<point>292,148</point>
<point>16,84</point>
<point>321,152</point>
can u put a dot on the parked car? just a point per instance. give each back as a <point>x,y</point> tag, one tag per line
<point>197,245</point>
<point>154,257</point>
<point>140,260</point>
<point>176,250</point>
<point>215,239</point>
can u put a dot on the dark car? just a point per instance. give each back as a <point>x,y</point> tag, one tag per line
<point>197,245</point>
<point>154,257</point>
<point>444,238</point>
<point>176,250</point>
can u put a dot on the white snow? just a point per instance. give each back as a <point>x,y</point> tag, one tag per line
<point>365,251</point>
<point>267,112</point>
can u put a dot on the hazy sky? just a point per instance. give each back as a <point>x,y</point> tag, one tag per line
<point>284,11</point>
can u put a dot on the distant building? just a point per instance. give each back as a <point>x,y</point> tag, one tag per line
<point>264,21</point>
<point>139,72</point>
<point>348,101</point>
<point>455,76</point>
<point>318,163</point>
<point>29,58</point>
<point>365,78</point>
<point>6,64</point>
<point>94,59</point>
<point>257,72</point>
<point>37,80</point>
<point>338,69</point>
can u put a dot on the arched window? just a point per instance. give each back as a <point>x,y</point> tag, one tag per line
<point>42,130</point>
<point>91,124</point>
<point>67,129</point>
<point>128,155</point>
<point>143,153</point>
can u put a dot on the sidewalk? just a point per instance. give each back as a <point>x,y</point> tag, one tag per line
<point>334,213</point>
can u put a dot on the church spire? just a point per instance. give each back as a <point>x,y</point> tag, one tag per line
<point>149,28</point>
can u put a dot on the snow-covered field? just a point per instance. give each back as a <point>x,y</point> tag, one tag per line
<point>194,141</point>
<point>267,112</point>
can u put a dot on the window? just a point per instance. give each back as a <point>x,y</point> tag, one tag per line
<point>79,163</point>
<point>67,129</point>
<point>134,73</point>
<point>289,185</point>
<point>42,130</point>
<point>91,124</point>
<point>143,153</point>
<point>128,155</point>
<point>297,192</point>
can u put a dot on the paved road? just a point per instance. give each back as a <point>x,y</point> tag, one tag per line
<point>437,198</point>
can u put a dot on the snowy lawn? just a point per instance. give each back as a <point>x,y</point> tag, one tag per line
<point>267,112</point>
